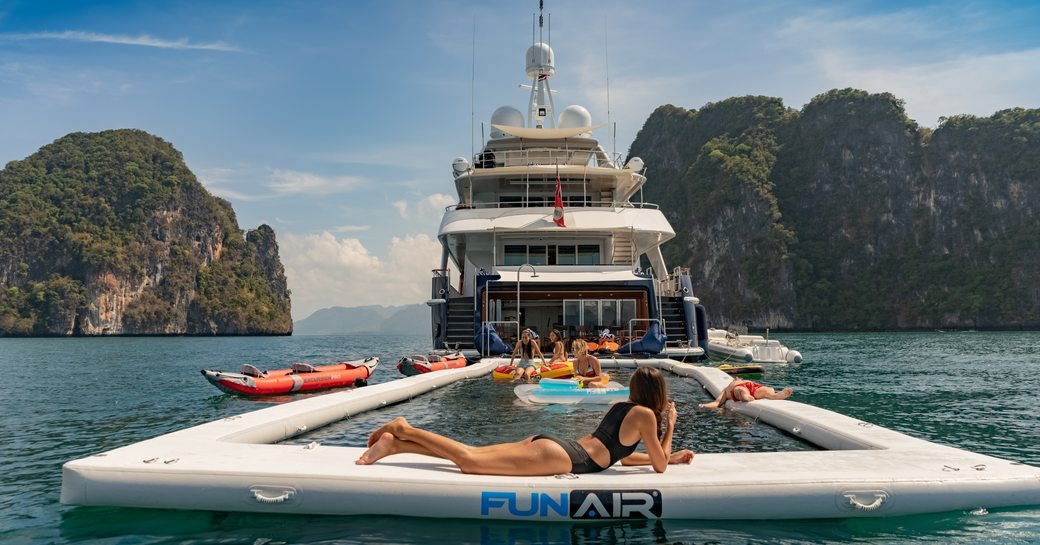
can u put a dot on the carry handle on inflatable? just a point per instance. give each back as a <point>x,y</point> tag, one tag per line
<point>260,496</point>
<point>854,501</point>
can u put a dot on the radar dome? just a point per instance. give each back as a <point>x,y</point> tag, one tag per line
<point>540,60</point>
<point>575,116</point>
<point>505,115</point>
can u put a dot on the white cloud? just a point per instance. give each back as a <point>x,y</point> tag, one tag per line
<point>292,181</point>
<point>977,85</point>
<point>435,204</point>
<point>402,208</point>
<point>352,228</point>
<point>142,40</point>
<point>325,271</point>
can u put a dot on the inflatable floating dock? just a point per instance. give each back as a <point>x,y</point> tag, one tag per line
<point>232,465</point>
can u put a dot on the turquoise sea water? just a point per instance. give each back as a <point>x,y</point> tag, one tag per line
<point>63,399</point>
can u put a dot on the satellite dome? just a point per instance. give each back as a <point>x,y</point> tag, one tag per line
<point>540,60</point>
<point>459,166</point>
<point>575,116</point>
<point>505,115</point>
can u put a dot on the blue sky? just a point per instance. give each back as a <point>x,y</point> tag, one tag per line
<point>336,122</point>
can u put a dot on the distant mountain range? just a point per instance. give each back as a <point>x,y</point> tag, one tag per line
<point>371,319</point>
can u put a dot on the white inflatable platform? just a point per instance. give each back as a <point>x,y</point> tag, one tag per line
<point>233,465</point>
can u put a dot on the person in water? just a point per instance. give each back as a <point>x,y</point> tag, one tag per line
<point>625,425</point>
<point>559,353</point>
<point>586,366</point>
<point>745,390</point>
<point>527,349</point>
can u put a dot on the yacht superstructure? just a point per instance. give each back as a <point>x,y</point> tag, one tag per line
<point>550,232</point>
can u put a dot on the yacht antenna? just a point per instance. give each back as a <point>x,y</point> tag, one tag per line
<point>606,57</point>
<point>473,91</point>
<point>540,68</point>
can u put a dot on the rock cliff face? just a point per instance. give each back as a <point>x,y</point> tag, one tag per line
<point>111,234</point>
<point>847,215</point>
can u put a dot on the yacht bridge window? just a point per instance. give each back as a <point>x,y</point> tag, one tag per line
<point>552,254</point>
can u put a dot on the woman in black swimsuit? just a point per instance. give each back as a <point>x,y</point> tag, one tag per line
<point>624,426</point>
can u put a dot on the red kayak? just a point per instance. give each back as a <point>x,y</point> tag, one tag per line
<point>414,365</point>
<point>301,377</point>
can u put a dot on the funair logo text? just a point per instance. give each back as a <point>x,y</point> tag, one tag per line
<point>578,504</point>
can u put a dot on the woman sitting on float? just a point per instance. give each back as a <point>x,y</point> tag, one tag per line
<point>527,349</point>
<point>586,366</point>
<point>559,353</point>
<point>626,424</point>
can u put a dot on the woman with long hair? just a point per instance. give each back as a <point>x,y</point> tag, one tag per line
<point>587,369</point>
<point>626,424</point>
<point>527,349</point>
<point>559,353</point>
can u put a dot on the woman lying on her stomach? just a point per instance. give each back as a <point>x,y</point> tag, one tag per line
<point>624,426</point>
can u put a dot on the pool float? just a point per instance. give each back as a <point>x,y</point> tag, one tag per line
<point>568,392</point>
<point>560,369</point>
<point>742,369</point>
<point>605,344</point>
<point>414,365</point>
<point>301,377</point>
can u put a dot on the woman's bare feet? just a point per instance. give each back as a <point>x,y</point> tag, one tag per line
<point>681,457</point>
<point>783,394</point>
<point>709,405</point>
<point>383,447</point>
<point>386,428</point>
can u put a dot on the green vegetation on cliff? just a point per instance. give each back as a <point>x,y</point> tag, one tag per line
<point>847,215</point>
<point>110,233</point>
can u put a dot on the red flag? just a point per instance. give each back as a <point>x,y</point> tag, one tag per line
<point>558,211</point>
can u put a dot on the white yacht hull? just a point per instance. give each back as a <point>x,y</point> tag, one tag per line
<point>232,465</point>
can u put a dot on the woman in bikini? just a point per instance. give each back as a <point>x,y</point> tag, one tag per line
<point>527,349</point>
<point>559,353</point>
<point>745,390</point>
<point>625,425</point>
<point>586,366</point>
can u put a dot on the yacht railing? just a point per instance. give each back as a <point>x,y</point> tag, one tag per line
<point>546,157</point>
<point>585,204</point>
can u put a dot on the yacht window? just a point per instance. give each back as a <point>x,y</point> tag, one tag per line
<point>578,200</point>
<point>515,254</point>
<point>536,201</point>
<point>552,255</point>
<point>566,255</point>
<point>510,201</point>
<point>628,312</point>
<point>536,255</point>
<point>609,313</point>
<point>571,312</point>
<point>590,312</point>
<point>588,254</point>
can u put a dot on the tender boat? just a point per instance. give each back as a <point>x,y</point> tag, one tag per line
<point>301,377</point>
<point>732,346</point>
<point>414,365</point>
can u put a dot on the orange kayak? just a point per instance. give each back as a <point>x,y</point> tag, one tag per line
<point>301,377</point>
<point>414,365</point>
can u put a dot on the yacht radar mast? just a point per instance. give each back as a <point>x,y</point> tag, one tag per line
<point>540,67</point>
